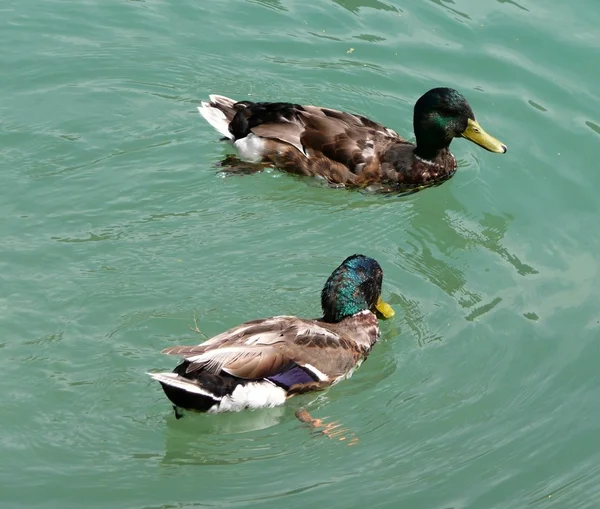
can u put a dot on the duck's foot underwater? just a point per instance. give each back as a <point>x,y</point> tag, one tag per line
<point>178,412</point>
<point>233,165</point>
<point>331,430</point>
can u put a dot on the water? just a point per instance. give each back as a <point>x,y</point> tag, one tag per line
<point>116,230</point>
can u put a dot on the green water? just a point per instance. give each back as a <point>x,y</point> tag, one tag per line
<point>116,230</point>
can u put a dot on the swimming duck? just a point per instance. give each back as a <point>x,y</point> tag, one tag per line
<point>350,150</point>
<point>263,362</point>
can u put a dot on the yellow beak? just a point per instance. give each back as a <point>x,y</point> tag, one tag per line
<point>476,134</point>
<point>384,309</point>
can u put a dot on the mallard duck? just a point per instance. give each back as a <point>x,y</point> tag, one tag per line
<point>346,149</point>
<point>263,362</point>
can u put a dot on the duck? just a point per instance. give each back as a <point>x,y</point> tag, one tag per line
<point>348,150</point>
<point>264,362</point>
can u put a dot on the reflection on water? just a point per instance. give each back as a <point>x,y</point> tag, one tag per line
<point>207,439</point>
<point>414,318</point>
<point>446,5</point>
<point>512,2</point>
<point>342,64</point>
<point>352,5</point>
<point>355,5</point>
<point>594,127</point>
<point>271,4</point>
<point>438,233</point>
<point>369,38</point>
<point>443,3</point>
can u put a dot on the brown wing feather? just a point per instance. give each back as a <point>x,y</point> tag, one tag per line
<point>264,348</point>
<point>339,145</point>
<point>242,361</point>
<point>289,133</point>
<point>309,140</point>
<point>235,335</point>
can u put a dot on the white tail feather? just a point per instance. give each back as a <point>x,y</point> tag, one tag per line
<point>262,394</point>
<point>221,99</point>
<point>216,118</point>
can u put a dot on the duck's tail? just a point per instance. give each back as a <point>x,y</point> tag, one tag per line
<point>219,112</point>
<point>186,393</point>
<point>209,392</point>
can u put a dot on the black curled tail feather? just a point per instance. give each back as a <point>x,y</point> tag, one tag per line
<point>188,400</point>
<point>215,387</point>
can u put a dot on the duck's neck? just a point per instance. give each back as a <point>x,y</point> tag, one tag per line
<point>339,307</point>
<point>429,149</point>
<point>426,172</point>
<point>442,159</point>
<point>432,136</point>
<point>363,328</point>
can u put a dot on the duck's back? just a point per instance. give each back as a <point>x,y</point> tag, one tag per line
<point>341,147</point>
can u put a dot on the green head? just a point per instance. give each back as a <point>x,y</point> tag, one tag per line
<point>442,114</point>
<point>353,287</point>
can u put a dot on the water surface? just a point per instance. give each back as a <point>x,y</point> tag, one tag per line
<point>117,229</point>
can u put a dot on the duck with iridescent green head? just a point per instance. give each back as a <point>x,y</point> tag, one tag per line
<point>349,150</point>
<point>263,362</point>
